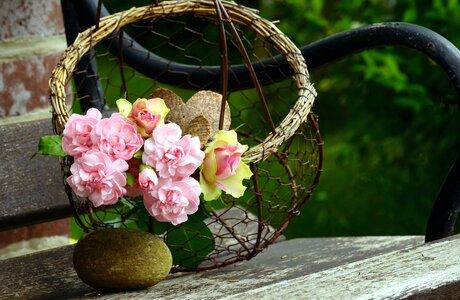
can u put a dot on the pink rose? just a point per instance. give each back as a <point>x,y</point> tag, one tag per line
<point>148,114</point>
<point>100,178</point>
<point>76,138</point>
<point>171,201</point>
<point>228,158</point>
<point>171,155</point>
<point>222,168</point>
<point>148,179</point>
<point>117,136</point>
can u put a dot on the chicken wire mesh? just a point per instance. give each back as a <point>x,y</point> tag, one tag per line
<point>179,49</point>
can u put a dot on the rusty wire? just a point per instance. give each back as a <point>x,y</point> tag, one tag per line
<point>287,159</point>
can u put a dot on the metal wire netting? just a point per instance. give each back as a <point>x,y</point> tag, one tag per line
<point>136,59</point>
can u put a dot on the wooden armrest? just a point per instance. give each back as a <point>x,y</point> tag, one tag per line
<point>317,268</point>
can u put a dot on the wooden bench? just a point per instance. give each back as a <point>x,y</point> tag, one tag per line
<point>317,268</point>
<point>30,189</point>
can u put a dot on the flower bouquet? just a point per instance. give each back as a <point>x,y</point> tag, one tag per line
<point>218,177</point>
<point>134,160</point>
<point>135,154</point>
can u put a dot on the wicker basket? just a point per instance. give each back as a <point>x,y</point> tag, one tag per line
<point>285,160</point>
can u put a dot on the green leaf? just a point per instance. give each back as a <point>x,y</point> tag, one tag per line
<point>124,106</point>
<point>190,242</point>
<point>142,167</point>
<point>138,154</point>
<point>125,203</point>
<point>50,145</point>
<point>215,204</point>
<point>144,219</point>
<point>130,179</point>
<point>239,126</point>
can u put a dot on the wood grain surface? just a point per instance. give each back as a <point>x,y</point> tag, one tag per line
<point>283,269</point>
<point>419,272</point>
<point>31,190</point>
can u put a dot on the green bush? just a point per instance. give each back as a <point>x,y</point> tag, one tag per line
<point>389,119</point>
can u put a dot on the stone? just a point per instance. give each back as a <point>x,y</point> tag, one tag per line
<point>119,258</point>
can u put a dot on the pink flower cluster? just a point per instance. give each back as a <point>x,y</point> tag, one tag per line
<point>100,148</point>
<point>170,193</point>
<point>104,150</point>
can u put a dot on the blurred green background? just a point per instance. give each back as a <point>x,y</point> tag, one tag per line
<point>389,117</point>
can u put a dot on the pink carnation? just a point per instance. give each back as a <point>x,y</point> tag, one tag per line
<point>148,179</point>
<point>100,178</point>
<point>76,138</point>
<point>117,136</point>
<point>171,201</point>
<point>171,155</point>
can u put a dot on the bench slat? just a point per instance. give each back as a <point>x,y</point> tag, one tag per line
<point>422,272</point>
<point>31,190</point>
<point>50,274</point>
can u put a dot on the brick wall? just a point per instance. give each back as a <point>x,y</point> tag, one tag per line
<point>31,42</point>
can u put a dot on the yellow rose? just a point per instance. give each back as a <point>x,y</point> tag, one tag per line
<point>146,113</point>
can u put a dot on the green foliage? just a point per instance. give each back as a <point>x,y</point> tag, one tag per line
<point>190,242</point>
<point>386,117</point>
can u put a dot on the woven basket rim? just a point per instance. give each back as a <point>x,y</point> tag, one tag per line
<point>241,15</point>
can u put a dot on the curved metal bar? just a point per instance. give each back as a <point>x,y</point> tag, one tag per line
<point>85,75</point>
<point>317,54</point>
<point>447,204</point>
<point>428,42</point>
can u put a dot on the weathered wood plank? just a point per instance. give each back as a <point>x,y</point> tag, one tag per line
<point>42,275</point>
<point>49,275</point>
<point>419,272</point>
<point>31,190</point>
<point>285,261</point>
